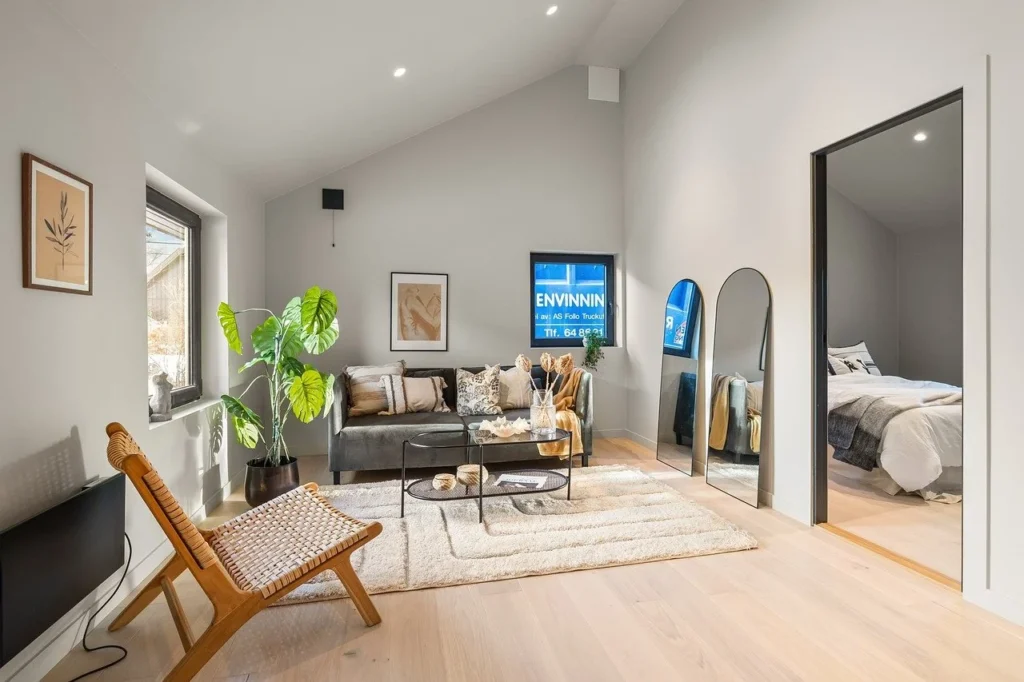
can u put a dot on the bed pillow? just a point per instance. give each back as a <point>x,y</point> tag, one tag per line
<point>515,389</point>
<point>838,365</point>
<point>478,393</point>
<point>858,352</point>
<point>365,394</point>
<point>413,394</point>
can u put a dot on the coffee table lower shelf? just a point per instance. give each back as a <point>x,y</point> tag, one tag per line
<point>423,488</point>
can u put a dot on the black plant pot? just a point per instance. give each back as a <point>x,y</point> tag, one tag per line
<point>263,483</point>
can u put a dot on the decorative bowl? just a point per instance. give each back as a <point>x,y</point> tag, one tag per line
<point>444,481</point>
<point>503,428</point>
<point>469,474</point>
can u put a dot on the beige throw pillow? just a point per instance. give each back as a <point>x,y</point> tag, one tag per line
<point>515,389</point>
<point>365,394</point>
<point>410,394</point>
<point>478,393</point>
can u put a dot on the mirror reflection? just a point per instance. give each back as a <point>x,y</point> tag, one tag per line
<point>680,368</point>
<point>742,330</point>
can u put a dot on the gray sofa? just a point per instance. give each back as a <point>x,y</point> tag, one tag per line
<point>375,441</point>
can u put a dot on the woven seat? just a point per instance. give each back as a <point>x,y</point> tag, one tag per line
<point>277,543</point>
<point>244,565</point>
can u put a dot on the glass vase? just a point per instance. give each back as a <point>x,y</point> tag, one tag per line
<point>542,413</point>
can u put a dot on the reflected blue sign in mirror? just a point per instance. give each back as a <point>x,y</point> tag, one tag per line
<point>681,312</point>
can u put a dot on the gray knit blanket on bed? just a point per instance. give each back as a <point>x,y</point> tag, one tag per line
<point>855,429</point>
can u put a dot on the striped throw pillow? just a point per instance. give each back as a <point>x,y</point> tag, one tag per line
<point>365,394</point>
<point>857,352</point>
<point>410,394</point>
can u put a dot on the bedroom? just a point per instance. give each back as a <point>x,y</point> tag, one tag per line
<point>893,318</point>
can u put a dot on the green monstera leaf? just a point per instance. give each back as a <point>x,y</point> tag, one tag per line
<point>319,308</point>
<point>291,367</point>
<point>230,326</point>
<point>237,409</point>
<point>328,392</point>
<point>246,432</point>
<point>265,336</point>
<point>307,395</point>
<point>318,342</point>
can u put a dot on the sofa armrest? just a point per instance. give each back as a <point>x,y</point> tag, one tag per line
<point>339,411</point>
<point>585,401</point>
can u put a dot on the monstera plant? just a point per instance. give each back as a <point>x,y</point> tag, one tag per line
<point>308,325</point>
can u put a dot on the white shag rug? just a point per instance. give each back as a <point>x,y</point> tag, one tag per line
<point>618,515</point>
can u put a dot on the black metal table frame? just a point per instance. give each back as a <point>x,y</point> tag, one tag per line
<point>480,486</point>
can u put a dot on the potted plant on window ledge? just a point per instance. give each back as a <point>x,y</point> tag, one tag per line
<point>307,324</point>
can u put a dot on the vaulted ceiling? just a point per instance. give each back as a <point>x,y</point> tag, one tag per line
<point>283,93</point>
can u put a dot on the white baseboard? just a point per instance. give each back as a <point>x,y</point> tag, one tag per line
<point>609,433</point>
<point>32,663</point>
<point>637,438</point>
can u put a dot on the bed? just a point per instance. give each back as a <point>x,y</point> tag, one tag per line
<point>920,448</point>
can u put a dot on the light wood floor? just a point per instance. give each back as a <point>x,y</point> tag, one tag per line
<point>926,532</point>
<point>806,605</point>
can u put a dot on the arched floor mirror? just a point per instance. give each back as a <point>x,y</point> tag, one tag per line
<point>680,375</point>
<point>738,385</point>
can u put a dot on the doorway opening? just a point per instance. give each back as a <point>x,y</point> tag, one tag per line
<point>888,338</point>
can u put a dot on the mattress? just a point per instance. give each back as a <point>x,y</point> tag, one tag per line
<point>918,444</point>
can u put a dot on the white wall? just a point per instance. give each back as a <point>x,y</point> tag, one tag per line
<point>538,170</point>
<point>722,111</point>
<point>75,363</point>
<point>931,297</point>
<point>862,283</point>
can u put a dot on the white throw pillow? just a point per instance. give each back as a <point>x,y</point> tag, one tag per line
<point>857,352</point>
<point>516,389</point>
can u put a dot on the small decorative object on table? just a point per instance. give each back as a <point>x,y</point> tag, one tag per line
<point>503,428</point>
<point>160,398</point>
<point>542,413</point>
<point>444,481</point>
<point>471,474</point>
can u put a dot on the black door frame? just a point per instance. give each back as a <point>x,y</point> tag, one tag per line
<point>819,236</point>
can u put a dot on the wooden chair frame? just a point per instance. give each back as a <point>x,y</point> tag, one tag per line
<point>232,606</point>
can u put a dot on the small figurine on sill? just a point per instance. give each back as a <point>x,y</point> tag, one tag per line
<point>159,398</point>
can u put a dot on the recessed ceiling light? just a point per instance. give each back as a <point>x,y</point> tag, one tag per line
<point>399,72</point>
<point>921,137</point>
<point>552,9</point>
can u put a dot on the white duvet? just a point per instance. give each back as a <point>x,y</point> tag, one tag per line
<point>917,444</point>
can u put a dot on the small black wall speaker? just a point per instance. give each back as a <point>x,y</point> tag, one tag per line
<point>334,199</point>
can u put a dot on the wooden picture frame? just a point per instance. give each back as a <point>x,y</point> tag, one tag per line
<point>419,311</point>
<point>56,228</point>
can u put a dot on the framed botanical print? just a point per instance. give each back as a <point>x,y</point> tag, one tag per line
<point>56,223</point>
<point>419,311</point>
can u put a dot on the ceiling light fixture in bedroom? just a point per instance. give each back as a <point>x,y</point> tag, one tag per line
<point>552,10</point>
<point>399,72</point>
<point>921,137</point>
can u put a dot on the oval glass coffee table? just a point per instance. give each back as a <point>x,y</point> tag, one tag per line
<point>505,483</point>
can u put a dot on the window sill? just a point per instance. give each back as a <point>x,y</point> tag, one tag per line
<point>183,411</point>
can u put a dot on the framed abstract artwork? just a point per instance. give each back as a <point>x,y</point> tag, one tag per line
<point>56,225</point>
<point>419,311</point>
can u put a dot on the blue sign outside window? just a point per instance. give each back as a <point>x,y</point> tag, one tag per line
<point>569,298</point>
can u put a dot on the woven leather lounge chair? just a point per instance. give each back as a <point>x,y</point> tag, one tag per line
<point>244,565</point>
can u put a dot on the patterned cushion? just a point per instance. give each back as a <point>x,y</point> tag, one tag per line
<point>838,365</point>
<point>479,393</point>
<point>516,389</point>
<point>857,352</point>
<point>365,394</point>
<point>406,394</point>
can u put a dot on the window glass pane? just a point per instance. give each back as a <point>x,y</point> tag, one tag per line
<point>167,298</point>
<point>680,318</point>
<point>569,299</point>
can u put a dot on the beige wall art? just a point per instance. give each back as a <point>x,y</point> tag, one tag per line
<point>419,311</point>
<point>56,228</point>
